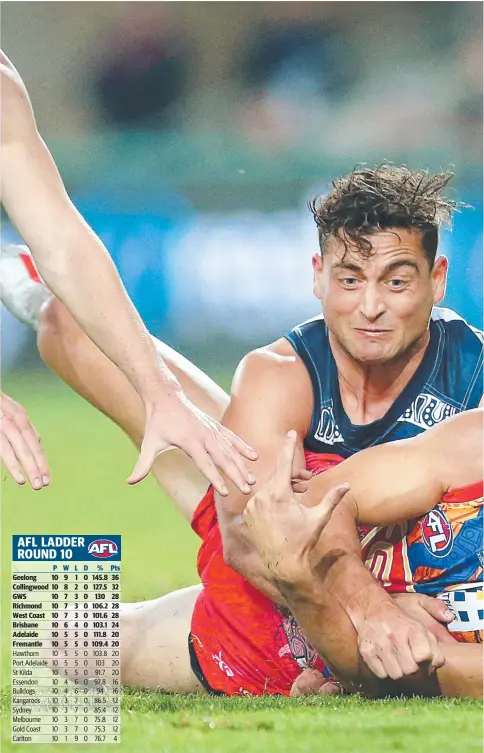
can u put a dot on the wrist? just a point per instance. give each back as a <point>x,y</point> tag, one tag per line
<point>368,605</point>
<point>160,393</point>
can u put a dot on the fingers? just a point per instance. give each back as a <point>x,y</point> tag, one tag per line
<point>299,487</point>
<point>321,513</point>
<point>389,656</point>
<point>229,462</point>
<point>282,475</point>
<point>22,452</point>
<point>437,608</point>
<point>405,658</point>
<point>396,660</point>
<point>438,658</point>
<point>10,462</point>
<point>334,496</point>
<point>372,659</point>
<point>330,688</point>
<point>301,474</point>
<point>34,443</point>
<point>144,464</point>
<point>389,661</point>
<point>238,444</point>
<point>210,451</point>
<point>300,480</point>
<point>309,681</point>
<point>206,466</point>
<point>425,648</point>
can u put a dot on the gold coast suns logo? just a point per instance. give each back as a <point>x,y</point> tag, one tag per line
<point>437,533</point>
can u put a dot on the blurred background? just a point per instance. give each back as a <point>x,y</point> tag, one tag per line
<point>191,135</point>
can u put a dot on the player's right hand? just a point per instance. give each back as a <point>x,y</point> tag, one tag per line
<point>176,422</point>
<point>395,645</point>
<point>282,529</point>
<point>20,447</point>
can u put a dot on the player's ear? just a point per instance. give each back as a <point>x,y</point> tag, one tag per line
<point>439,278</point>
<point>317,274</point>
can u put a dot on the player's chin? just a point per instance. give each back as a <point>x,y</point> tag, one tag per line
<point>375,355</point>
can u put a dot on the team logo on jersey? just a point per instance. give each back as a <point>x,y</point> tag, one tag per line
<point>328,431</point>
<point>222,665</point>
<point>427,410</point>
<point>102,548</point>
<point>437,533</point>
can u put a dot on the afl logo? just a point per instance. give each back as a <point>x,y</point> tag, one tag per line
<point>102,548</point>
<point>437,533</point>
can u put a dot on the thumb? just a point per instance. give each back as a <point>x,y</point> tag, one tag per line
<point>322,511</point>
<point>282,475</point>
<point>437,608</point>
<point>143,466</point>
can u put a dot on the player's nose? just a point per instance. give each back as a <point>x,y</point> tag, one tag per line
<point>372,304</point>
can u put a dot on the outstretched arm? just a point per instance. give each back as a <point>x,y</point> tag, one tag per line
<point>77,268</point>
<point>402,480</point>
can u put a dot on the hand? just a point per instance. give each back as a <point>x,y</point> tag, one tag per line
<point>312,681</point>
<point>283,530</point>
<point>20,448</point>
<point>393,644</point>
<point>430,612</point>
<point>179,423</point>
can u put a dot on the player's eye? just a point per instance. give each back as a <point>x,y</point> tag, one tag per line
<point>349,282</point>
<point>396,283</point>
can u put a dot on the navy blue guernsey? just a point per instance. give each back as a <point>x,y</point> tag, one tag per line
<point>447,381</point>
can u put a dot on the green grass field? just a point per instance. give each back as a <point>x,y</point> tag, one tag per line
<point>90,460</point>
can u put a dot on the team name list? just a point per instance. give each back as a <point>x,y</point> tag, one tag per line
<point>66,638</point>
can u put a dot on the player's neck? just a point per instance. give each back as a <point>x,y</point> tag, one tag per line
<point>368,391</point>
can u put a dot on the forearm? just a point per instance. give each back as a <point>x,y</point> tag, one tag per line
<point>329,630</point>
<point>341,569</point>
<point>240,555</point>
<point>80,272</point>
<point>75,264</point>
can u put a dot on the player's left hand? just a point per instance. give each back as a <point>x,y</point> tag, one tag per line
<point>176,422</point>
<point>20,445</point>
<point>283,530</point>
<point>432,613</point>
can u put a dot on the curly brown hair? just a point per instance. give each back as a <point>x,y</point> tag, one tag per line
<point>369,200</point>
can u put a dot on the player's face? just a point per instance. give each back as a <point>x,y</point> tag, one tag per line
<point>378,308</point>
